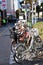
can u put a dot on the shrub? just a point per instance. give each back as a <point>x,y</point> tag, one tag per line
<point>39,25</point>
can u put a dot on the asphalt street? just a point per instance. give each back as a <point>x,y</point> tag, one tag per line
<point>5,43</point>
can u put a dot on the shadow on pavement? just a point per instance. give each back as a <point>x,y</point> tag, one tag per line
<point>26,62</point>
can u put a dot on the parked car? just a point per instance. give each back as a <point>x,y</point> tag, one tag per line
<point>11,19</point>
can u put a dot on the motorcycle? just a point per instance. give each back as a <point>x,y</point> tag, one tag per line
<point>31,52</point>
<point>28,46</point>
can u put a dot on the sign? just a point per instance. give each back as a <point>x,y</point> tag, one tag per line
<point>4,5</point>
<point>21,17</point>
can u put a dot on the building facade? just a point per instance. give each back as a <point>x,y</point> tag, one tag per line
<point>10,5</point>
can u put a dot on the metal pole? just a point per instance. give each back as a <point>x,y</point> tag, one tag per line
<point>32,11</point>
<point>26,13</point>
<point>25,10</point>
<point>13,7</point>
<point>35,14</point>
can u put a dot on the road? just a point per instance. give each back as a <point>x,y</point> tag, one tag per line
<point>5,44</point>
